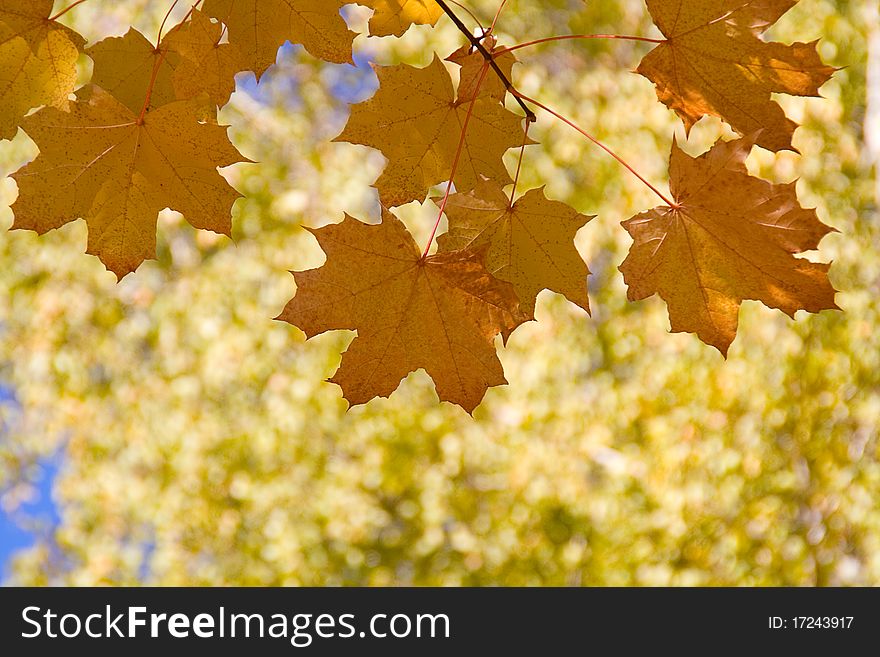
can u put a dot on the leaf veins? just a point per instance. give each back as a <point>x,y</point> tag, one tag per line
<point>714,62</point>
<point>732,237</point>
<point>99,163</point>
<point>439,313</point>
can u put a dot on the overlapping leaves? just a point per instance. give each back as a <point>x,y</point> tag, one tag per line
<point>142,136</point>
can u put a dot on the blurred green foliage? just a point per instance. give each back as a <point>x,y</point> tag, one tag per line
<point>201,445</point>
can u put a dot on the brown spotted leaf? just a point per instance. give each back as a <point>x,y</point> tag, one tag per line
<point>29,19</point>
<point>439,313</point>
<point>733,237</point>
<point>714,62</point>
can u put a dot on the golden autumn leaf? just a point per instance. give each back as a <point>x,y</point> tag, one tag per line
<point>37,62</point>
<point>731,238</point>
<point>29,19</point>
<point>394,17</point>
<point>713,62</point>
<point>123,67</point>
<point>207,66</point>
<point>259,27</point>
<point>99,163</point>
<point>439,313</point>
<point>416,121</point>
<point>530,244</point>
<point>472,62</point>
<point>189,62</point>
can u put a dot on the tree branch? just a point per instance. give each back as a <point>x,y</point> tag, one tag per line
<point>476,43</point>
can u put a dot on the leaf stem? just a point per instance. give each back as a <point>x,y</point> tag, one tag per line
<point>598,143</point>
<point>65,10</point>
<point>165,20</point>
<point>457,158</point>
<point>497,16</point>
<point>567,37</point>
<point>476,43</point>
<point>161,58</point>
<point>471,14</point>
<point>522,153</point>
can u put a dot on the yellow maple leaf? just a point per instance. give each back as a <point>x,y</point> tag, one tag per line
<point>29,19</point>
<point>190,61</point>
<point>394,17</point>
<point>37,61</point>
<point>260,27</point>
<point>713,62</point>
<point>207,66</point>
<point>732,238</point>
<point>123,67</point>
<point>530,244</point>
<point>416,121</point>
<point>439,313</point>
<point>98,162</point>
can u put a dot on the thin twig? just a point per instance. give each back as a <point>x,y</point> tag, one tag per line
<point>476,43</point>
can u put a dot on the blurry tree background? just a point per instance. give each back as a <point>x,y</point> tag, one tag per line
<point>198,444</point>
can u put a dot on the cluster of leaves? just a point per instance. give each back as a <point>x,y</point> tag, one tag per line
<point>199,444</point>
<point>143,136</point>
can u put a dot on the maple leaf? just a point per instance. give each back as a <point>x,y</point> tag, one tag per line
<point>37,62</point>
<point>123,67</point>
<point>207,66</point>
<point>260,27</point>
<point>713,62</point>
<point>29,19</point>
<point>472,62</point>
<point>189,62</point>
<point>97,161</point>
<point>732,238</point>
<point>440,313</point>
<point>394,17</point>
<point>416,121</point>
<point>530,244</point>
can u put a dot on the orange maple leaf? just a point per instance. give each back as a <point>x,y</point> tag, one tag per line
<point>416,121</point>
<point>530,243</point>
<point>99,162</point>
<point>731,237</point>
<point>260,27</point>
<point>713,62</point>
<point>440,313</point>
